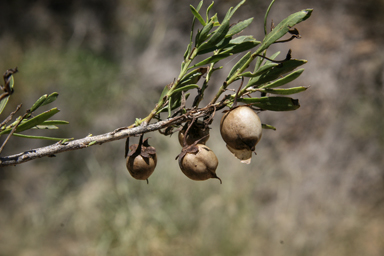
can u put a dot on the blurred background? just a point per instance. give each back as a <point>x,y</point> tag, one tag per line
<point>316,186</point>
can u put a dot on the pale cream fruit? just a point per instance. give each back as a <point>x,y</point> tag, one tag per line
<point>199,164</point>
<point>241,129</point>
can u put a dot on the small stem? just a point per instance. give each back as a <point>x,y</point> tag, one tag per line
<point>236,75</point>
<point>154,111</point>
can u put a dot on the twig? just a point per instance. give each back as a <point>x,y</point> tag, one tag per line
<point>10,116</point>
<point>118,134</point>
<point>13,130</point>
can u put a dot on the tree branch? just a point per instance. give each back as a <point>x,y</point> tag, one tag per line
<point>118,134</point>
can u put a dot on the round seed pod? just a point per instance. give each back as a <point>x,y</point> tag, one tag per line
<point>196,132</point>
<point>199,162</point>
<point>141,167</point>
<point>142,160</point>
<point>241,129</point>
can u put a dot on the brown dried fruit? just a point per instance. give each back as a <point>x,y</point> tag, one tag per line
<point>142,160</point>
<point>197,131</point>
<point>198,162</point>
<point>241,129</point>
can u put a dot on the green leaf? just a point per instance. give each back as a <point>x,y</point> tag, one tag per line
<point>186,88</point>
<point>276,72</point>
<point>207,12</point>
<point>193,77</point>
<point>188,51</point>
<point>261,70</point>
<point>216,37</point>
<point>220,45</point>
<point>283,27</point>
<point>4,101</point>
<point>165,91</point>
<point>40,137</point>
<point>282,81</point>
<point>242,39</point>
<point>54,122</point>
<point>203,35</point>
<point>45,127</point>
<point>212,59</point>
<point>266,16</point>
<point>239,64</point>
<point>239,27</point>
<point>44,100</point>
<point>39,102</point>
<point>240,44</point>
<point>173,104</point>
<point>51,98</point>
<point>273,103</point>
<point>197,15</point>
<point>268,126</point>
<point>286,91</point>
<point>33,121</point>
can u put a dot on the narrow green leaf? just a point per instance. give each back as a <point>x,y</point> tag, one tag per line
<point>220,45</point>
<point>261,70</point>
<point>197,15</point>
<point>54,122</point>
<point>193,77</point>
<point>186,88</point>
<point>207,12</point>
<point>51,98</point>
<point>203,35</point>
<point>276,72</point>
<point>237,48</point>
<point>91,143</point>
<point>4,101</point>
<point>39,137</point>
<point>164,92</point>
<point>260,60</point>
<point>239,27</point>
<point>45,127</point>
<point>216,37</point>
<point>286,91</point>
<point>33,121</point>
<point>39,102</point>
<point>174,104</point>
<point>268,126</point>
<point>212,59</point>
<point>199,6</point>
<point>282,81</point>
<point>273,103</point>
<point>266,17</point>
<point>283,27</point>
<point>239,64</point>
<point>242,39</point>
<point>187,52</point>
<point>235,9</point>
<point>170,106</point>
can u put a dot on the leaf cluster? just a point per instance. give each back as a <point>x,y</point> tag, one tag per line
<point>29,120</point>
<point>218,40</point>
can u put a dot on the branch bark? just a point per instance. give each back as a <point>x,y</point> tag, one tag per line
<point>117,134</point>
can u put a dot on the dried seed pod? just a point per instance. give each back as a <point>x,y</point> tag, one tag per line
<point>197,131</point>
<point>241,129</point>
<point>142,160</point>
<point>198,162</point>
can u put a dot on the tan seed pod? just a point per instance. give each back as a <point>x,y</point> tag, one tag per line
<point>199,163</point>
<point>241,129</point>
<point>142,160</point>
